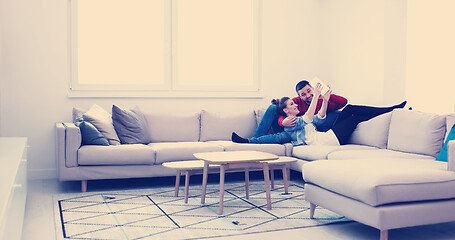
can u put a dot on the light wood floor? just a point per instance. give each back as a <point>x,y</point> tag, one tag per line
<point>39,216</point>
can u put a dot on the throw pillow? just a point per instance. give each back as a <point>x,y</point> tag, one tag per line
<point>77,113</point>
<point>102,120</point>
<point>130,125</point>
<point>442,156</point>
<point>89,134</point>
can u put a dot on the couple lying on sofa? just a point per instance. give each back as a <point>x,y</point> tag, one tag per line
<point>302,115</point>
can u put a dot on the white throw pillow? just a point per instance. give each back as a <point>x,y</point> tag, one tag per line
<point>102,120</point>
<point>373,132</point>
<point>219,126</point>
<point>416,132</point>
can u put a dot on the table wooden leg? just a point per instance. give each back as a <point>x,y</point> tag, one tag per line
<point>187,185</point>
<point>285,178</point>
<point>204,181</point>
<point>272,177</point>
<point>247,183</point>
<point>265,167</point>
<point>177,183</point>
<point>222,173</point>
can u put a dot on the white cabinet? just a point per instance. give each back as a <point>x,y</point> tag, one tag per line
<point>13,186</point>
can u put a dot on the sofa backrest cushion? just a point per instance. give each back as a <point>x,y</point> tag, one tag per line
<point>219,126</point>
<point>163,127</point>
<point>373,132</point>
<point>416,132</point>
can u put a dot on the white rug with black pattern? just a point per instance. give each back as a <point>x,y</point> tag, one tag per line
<point>156,214</point>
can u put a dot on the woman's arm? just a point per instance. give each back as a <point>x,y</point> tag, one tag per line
<point>325,103</point>
<point>316,93</point>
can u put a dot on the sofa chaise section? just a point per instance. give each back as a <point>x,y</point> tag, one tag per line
<point>401,185</point>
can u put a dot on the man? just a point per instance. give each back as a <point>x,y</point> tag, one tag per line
<point>272,122</point>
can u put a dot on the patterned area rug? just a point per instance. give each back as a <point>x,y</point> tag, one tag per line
<point>156,214</point>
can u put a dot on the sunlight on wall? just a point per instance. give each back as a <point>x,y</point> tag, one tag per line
<point>104,42</point>
<point>213,30</point>
<point>430,80</point>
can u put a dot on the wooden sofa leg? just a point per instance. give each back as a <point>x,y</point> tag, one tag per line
<point>384,235</point>
<point>84,185</point>
<point>312,208</point>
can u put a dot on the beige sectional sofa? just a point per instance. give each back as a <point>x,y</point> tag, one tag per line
<point>175,139</point>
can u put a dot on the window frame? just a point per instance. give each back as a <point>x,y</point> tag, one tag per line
<point>170,88</point>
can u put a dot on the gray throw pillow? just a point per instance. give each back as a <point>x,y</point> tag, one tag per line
<point>130,125</point>
<point>90,135</point>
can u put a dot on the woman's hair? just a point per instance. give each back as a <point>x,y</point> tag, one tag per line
<point>281,104</point>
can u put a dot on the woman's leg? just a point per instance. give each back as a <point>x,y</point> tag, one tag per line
<point>277,138</point>
<point>352,115</point>
<point>268,121</point>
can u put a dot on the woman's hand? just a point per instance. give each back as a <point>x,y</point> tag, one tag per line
<point>289,121</point>
<point>317,90</point>
<point>326,96</point>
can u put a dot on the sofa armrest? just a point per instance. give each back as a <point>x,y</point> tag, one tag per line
<point>60,144</point>
<point>451,155</point>
<point>73,141</point>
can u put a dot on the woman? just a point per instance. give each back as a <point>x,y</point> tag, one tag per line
<point>304,132</point>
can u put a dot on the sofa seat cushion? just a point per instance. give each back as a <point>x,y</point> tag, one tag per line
<point>383,181</point>
<point>176,151</point>
<point>276,149</point>
<point>374,153</point>
<point>313,152</point>
<point>124,154</point>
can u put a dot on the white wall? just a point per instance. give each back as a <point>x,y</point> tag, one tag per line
<point>34,70</point>
<point>430,55</point>
<point>362,49</point>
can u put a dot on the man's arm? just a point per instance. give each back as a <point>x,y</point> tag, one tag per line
<point>336,102</point>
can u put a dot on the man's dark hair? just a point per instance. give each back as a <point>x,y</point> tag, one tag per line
<point>301,85</point>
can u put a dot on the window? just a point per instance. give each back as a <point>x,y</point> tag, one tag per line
<point>164,48</point>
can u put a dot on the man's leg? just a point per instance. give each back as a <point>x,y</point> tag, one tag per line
<point>352,115</point>
<point>366,111</point>
<point>328,123</point>
<point>268,121</point>
<point>344,129</point>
